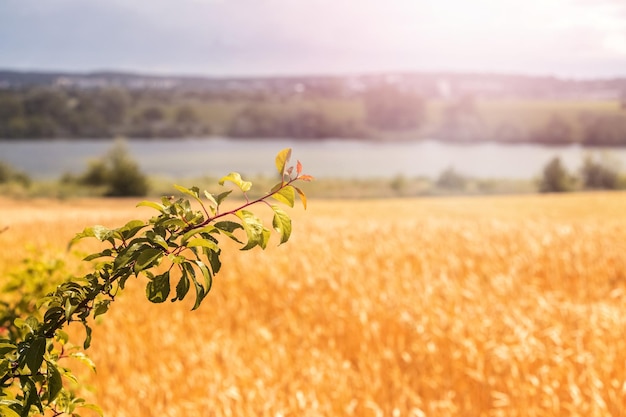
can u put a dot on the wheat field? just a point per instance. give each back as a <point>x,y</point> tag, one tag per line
<point>495,306</point>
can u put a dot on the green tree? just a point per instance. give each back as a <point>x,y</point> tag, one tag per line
<point>152,114</point>
<point>556,131</point>
<point>125,178</point>
<point>186,114</point>
<point>118,172</point>
<point>603,129</point>
<point>176,253</point>
<point>600,174</point>
<point>113,104</point>
<point>450,179</point>
<point>555,178</point>
<point>10,107</point>
<point>388,108</point>
<point>461,122</point>
<point>97,174</point>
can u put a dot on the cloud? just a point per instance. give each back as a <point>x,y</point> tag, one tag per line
<point>279,36</point>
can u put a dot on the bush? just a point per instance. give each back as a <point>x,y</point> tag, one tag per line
<point>555,178</point>
<point>450,179</point>
<point>600,174</point>
<point>10,174</point>
<point>118,172</point>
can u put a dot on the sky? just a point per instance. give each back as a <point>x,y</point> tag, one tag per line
<point>565,38</point>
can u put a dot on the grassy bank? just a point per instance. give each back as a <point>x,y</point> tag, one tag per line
<point>399,186</point>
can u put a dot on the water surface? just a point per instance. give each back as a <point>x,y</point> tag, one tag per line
<point>329,158</point>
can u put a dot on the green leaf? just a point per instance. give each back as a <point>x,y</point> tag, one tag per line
<point>282,158</point>
<point>148,258</point>
<point>31,396</point>
<point>62,336</point>
<point>6,411</point>
<point>32,322</point>
<point>205,243</point>
<point>193,191</point>
<point>254,229</point>
<point>6,347</point>
<point>99,232</point>
<point>104,253</point>
<point>88,332</point>
<point>152,204</point>
<point>53,316</point>
<point>171,224</point>
<point>130,229</point>
<point>227,228</point>
<point>182,288</point>
<point>222,196</point>
<point>4,367</point>
<point>129,254</point>
<point>101,307</point>
<point>214,261</point>
<point>23,324</point>
<point>211,198</point>
<point>200,292</point>
<point>159,240</point>
<point>236,179</point>
<point>285,195</point>
<point>208,277</point>
<point>265,237</point>
<point>84,359</point>
<point>34,354</point>
<point>93,407</point>
<point>158,288</point>
<point>205,229</point>
<point>282,224</point>
<point>55,384</point>
<point>176,259</point>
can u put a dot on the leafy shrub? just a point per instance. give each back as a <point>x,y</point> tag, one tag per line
<point>117,172</point>
<point>10,174</point>
<point>555,178</point>
<point>450,179</point>
<point>600,174</point>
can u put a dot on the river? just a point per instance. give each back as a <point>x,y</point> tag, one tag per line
<point>188,158</point>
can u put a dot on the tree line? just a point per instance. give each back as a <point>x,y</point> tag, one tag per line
<point>378,112</point>
<point>41,113</point>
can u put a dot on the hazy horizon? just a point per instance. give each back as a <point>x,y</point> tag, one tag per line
<point>226,38</point>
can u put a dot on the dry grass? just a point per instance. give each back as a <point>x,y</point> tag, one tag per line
<point>511,306</point>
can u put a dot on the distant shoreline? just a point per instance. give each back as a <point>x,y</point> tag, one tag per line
<point>318,140</point>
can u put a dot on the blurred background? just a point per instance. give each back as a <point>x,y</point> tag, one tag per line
<point>392,98</point>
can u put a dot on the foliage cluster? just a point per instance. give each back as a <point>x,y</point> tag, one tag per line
<point>177,252</point>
